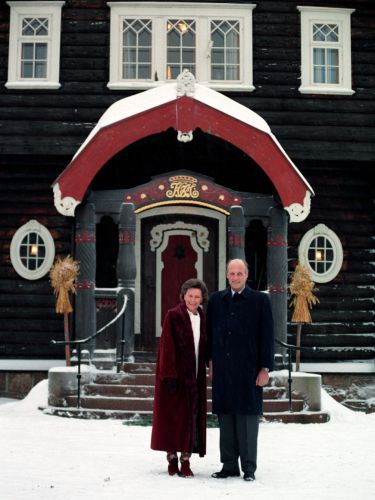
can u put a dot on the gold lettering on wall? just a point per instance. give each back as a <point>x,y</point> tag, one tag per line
<point>182,186</point>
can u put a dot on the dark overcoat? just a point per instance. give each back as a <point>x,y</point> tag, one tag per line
<point>179,419</point>
<point>240,343</point>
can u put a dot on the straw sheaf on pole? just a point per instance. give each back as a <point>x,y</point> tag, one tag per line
<point>63,276</point>
<point>301,289</point>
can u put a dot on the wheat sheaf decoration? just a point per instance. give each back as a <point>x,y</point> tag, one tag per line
<point>63,275</point>
<point>301,289</point>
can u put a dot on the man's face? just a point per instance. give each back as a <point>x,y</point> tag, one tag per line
<point>237,275</point>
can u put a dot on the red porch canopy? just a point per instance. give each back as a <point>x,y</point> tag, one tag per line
<point>185,106</point>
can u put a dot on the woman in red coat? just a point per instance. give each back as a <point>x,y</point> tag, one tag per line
<point>180,405</point>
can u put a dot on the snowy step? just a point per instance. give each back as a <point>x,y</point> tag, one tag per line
<point>146,403</point>
<point>143,416</point>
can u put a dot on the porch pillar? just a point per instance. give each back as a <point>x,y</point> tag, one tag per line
<point>277,272</point>
<point>85,319</point>
<point>236,233</point>
<point>126,274</point>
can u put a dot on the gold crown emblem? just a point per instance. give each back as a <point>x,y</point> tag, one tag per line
<point>183,178</point>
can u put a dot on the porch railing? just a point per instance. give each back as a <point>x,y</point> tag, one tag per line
<point>79,343</point>
<point>290,348</point>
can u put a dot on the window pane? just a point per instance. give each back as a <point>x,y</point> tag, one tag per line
<point>144,55</point>
<point>144,38</point>
<point>129,71</point>
<point>188,56</point>
<point>173,55</point>
<point>173,39</point>
<point>129,38</point>
<point>217,72</point>
<point>332,57</point>
<point>233,73</point>
<point>40,70</point>
<point>27,70</point>
<point>188,39</point>
<point>233,56</point>
<point>217,56</point>
<point>144,71</point>
<point>332,75</point>
<point>218,39</point>
<point>27,51</point>
<point>41,51</point>
<point>319,56</point>
<point>129,55</point>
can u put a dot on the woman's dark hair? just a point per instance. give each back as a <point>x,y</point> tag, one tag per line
<point>195,283</point>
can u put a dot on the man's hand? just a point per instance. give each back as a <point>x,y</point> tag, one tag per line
<point>262,378</point>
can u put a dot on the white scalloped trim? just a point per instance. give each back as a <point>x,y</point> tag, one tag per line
<point>65,206</point>
<point>298,212</point>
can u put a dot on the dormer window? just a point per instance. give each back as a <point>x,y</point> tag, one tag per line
<point>153,43</point>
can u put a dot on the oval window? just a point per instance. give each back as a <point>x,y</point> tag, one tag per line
<point>321,251</point>
<point>32,250</point>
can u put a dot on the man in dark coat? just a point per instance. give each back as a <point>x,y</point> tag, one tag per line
<point>240,333</point>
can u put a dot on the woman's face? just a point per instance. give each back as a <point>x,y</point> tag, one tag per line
<point>193,299</point>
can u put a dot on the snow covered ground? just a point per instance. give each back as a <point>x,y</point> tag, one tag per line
<point>48,458</point>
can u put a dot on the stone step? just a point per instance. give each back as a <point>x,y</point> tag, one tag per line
<point>138,390</point>
<point>138,417</point>
<point>137,404</point>
<point>125,378</point>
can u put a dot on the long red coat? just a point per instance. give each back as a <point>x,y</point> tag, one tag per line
<point>173,424</point>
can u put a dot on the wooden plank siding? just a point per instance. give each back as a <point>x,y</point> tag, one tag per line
<point>331,138</point>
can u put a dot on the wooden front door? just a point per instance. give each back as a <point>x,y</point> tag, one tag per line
<point>174,248</point>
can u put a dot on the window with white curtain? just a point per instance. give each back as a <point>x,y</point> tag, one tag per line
<point>325,50</point>
<point>34,44</point>
<point>153,43</point>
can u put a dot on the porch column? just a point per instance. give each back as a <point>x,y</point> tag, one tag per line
<point>85,318</point>
<point>277,272</point>
<point>126,274</point>
<point>236,233</point>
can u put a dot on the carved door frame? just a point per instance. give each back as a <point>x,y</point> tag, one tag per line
<point>183,210</point>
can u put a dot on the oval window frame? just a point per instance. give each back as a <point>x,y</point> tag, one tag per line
<point>32,226</point>
<point>338,254</point>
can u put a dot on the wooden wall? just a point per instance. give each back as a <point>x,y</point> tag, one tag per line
<point>330,138</point>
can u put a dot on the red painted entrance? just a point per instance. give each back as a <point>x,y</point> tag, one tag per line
<point>178,262</point>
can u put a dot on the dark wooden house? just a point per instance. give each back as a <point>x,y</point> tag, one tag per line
<point>153,141</point>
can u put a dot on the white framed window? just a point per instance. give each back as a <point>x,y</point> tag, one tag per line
<point>321,251</point>
<point>32,250</point>
<point>326,66</point>
<point>34,45</point>
<point>151,43</point>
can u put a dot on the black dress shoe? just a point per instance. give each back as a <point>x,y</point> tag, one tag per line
<point>249,476</point>
<point>223,474</point>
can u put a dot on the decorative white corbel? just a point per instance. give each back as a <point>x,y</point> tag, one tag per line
<point>65,206</point>
<point>185,84</point>
<point>184,136</point>
<point>298,212</point>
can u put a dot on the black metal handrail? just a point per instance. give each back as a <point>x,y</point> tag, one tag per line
<point>291,348</point>
<point>79,343</point>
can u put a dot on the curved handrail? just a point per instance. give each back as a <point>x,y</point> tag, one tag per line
<point>94,335</point>
<point>290,348</point>
<point>80,342</point>
<point>297,348</point>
